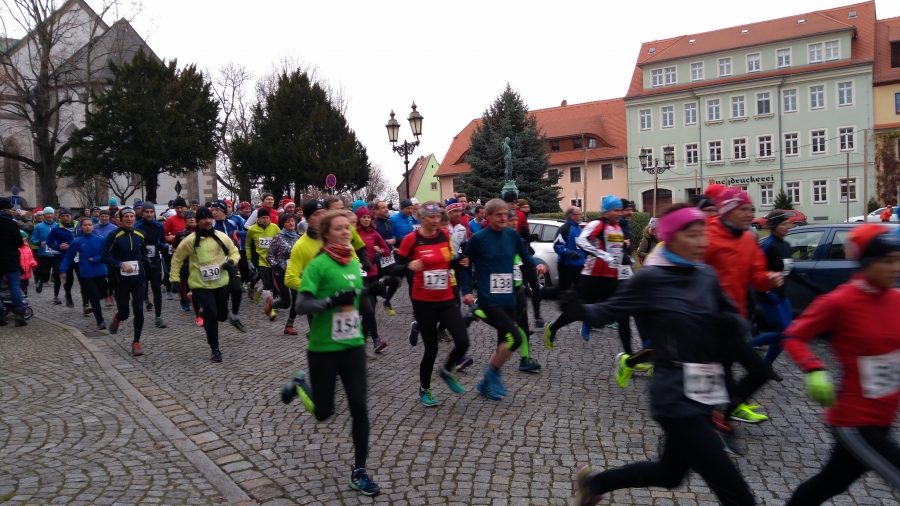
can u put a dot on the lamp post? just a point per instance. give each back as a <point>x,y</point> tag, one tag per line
<point>407,148</point>
<point>651,165</point>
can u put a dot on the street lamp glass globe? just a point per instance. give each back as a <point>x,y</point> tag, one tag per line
<point>415,121</point>
<point>645,159</point>
<point>669,158</point>
<point>393,128</point>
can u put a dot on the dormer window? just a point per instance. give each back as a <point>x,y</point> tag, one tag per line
<point>578,143</point>
<point>851,15</point>
<point>554,145</point>
<point>801,22</point>
<point>692,41</point>
<point>652,50</point>
<point>745,32</point>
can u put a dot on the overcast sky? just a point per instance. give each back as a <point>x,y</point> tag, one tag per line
<point>452,58</point>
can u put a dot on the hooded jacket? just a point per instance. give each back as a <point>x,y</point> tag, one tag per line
<point>566,236</point>
<point>89,248</point>
<point>372,238</point>
<point>738,262</point>
<point>648,242</point>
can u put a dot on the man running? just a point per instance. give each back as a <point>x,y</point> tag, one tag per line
<point>125,252</point>
<point>221,223</point>
<point>570,258</point>
<point>259,238</point>
<point>58,240</point>
<point>153,241</point>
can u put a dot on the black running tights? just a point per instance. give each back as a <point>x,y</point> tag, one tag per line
<point>428,315</point>
<point>131,292</point>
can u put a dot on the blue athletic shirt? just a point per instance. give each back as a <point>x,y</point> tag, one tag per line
<point>493,252</point>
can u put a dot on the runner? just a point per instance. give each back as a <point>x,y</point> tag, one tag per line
<point>278,255</point>
<point>529,276</point>
<point>219,209</point>
<point>126,253</point>
<point>153,242</point>
<point>242,215</point>
<point>429,255</point>
<point>58,240</point>
<point>570,258</point>
<point>689,377</point>
<point>375,245</point>
<point>89,248</point>
<point>330,292</point>
<point>268,202</point>
<point>863,408</point>
<point>212,255</point>
<point>173,225</point>
<point>491,254</point>
<point>10,261</point>
<point>259,238</point>
<point>402,224</point>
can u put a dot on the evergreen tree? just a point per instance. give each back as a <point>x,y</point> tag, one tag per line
<point>152,119</point>
<point>782,201</point>
<point>508,117</point>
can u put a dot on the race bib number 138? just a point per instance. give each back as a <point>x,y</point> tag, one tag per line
<point>501,283</point>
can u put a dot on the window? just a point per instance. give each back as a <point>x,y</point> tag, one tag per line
<point>656,77</point>
<point>815,53</point>
<point>739,151</point>
<point>606,171</point>
<point>715,151</point>
<point>895,54</point>
<point>454,184</point>
<point>763,103</point>
<point>818,142</point>
<point>791,145</point>
<point>691,154</point>
<point>553,174</point>
<point>846,138</point>
<point>790,100</point>
<point>648,152</point>
<point>645,119</point>
<point>793,192</point>
<point>737,107</point>
<point>845,192</point>
<point>574,174</point>
<point>12,175</point>
<point>764,146</point>
<point>592,142</point>
<point>577,143</point>
<point>845,93</point>
<point>724,67</point>
<point>896,103</point>
<point>671,76</point>
<point>667,150</point>
<point>696,71</point>
<point>804,244</point>
<point>820,192</point>
<point>766,197</point>
<point>712,110</point>
<point>668,117</point>
<point>783,57</point>
<point>575,202</point>
<point>554,145</point>
<point>753,62</point>
<point>837,250</point>
<point>832,50</point>
<point>434,187</point>
<point>690,112</point>
<point>816,97</point>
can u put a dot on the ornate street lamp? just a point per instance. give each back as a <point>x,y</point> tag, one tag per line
<point>652,166</point>
<point>407,148</point>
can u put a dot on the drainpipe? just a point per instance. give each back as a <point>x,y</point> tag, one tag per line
<point>700,149</point>
<point>584,193</point>
<point>780,137</point>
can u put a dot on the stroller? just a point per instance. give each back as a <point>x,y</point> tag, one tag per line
<point>7,307</point>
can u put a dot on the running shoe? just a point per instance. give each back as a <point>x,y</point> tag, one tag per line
<point>465,362</point>
<point>148,305</point>
<point>389,309</point>
<point>236,323</point>
<point>484,389</point>
<point>451,381</point>
<point>584,475</point>
<point>114,326</point>
<point>199,321</point>
<point>136,349</point>
<point>359,480</point>
<point>413,334</point>
<point>290,331</point>
<point>101,326</point>
<point>585,332</point>
<point>87,311</point>
<point>215,356</point>
<point>379,345</point>
<point>69,302</point>
<point>643,367</point>
<point>56,301</point>
<point>528,365</point>
<point>444,336</point>
<point>623,372</point>
<point>168,295</point>
<point>256,296</point>
<point>298,387</point>
<point>773,374</point>
<point>726,432</point>
<point>427,397</point>
<point>549,337</point>
<point>613,325</point>
<point>538,322</point>
<point>745,413</point>
<point>158,321</point>
<point>185,305</point>
<point>268,311</point>
<point>108,300</point>
<point>40,287</point>
<point>495,381</point>
<point>471,316</point>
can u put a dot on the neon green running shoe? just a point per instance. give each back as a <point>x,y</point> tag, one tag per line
<point>745,413</point>
<point>549,337</point>
<point>643,367</point>
<point>623,372</point>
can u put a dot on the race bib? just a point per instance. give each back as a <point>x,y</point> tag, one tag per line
<point>362,272</point>
<point>517,273</point>
<point>705,383</point>
<point>345,325</point>
<point>210,273</point>
<point>77,257</point>
<point>788,266</point>
<point>625,272</point>
<point>386,261</point>
<point>501,283</point>
<point>435,280</point>
<point>132,263</point>
<point>265,242</point>
<point>879,376</point>
<point>416,227</point>
<point>151,250</point>
<point>50,251</point>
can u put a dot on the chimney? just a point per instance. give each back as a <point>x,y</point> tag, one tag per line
<point>564,103</point>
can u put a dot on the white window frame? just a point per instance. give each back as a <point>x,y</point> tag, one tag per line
<point>700,63</point>
<point>662,150</point>
<point>580,174</point>
<point>837,54</point>
<point>742,100</point>
<point>696,107</point>
<point>769,100</point>
<point>812,50</point>
<point>734,154</point>
<point>759,153</point>
<point>838,94</point>
<point>758,61</point>
<point>796,143</point>
<point>649,116</point>
<point>654,74</point>
<point>724,62</point>
<point>812,186</point>
<point>673,73</point>
<point>718,102</point>
<point>662,116</point>
<point>824,94</point>
<point>789,191</point>
<point>777,57</point>
<point>853,184</point>
<point>784,95</point>
<point>710,159</point>
<point>687,151</point>
<point>763,187</point>
<point>434,187</point>
<point>824,142</point>
<point>840,139</point>
<point>592,142</point>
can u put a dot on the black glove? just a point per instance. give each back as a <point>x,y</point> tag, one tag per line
<point>375,289</point>
<point>364,261</point>
<point>342,298</point>
<point>574,255</point>
<point>251,267</point>
<point>228,264</point>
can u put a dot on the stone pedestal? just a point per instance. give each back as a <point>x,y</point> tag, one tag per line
<point>509,186</point>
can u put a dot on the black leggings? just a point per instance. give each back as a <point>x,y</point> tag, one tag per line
<point>428,315</point>
<point>691,444</point>
<point>242,266</point>
<point>92,289</point>
<point>111,280</point>
<point>284,300</point>
<point>268,281</point>
<point>215,309</point>
<point>367,310</point>
<point>591,290</point>
<point>154,279</point>
<point>529,275</point>
<point>133,290</point>
<point>857,450</point>
<point>67,286</point>
<point>350,365</point>
<point>84,297</point>
<point>504,320</point>
<point>740,351</point>
<point>46,266</point>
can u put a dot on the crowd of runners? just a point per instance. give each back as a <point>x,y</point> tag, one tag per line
<point>690,280</point>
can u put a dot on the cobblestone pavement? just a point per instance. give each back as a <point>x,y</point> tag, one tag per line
<point>467,450</point>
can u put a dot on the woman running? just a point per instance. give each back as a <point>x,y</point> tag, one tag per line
<point>277,256</point>
<point>330,291</point>
<point>88,247</point>
<point>868,351</point>
<point>428,253</point>
<point>374,245</point>
<point>694,328</point>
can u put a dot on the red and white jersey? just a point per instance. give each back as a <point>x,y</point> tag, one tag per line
<point>604,244</point>
<point>458,235</point>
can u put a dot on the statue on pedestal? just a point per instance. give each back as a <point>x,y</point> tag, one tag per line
<point>507,158</point>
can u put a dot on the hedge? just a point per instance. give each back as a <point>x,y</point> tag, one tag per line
<point>638,220</point>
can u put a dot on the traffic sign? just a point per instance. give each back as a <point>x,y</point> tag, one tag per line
<point>330,181</point>
<point>15,200</point>
<point>15,190</point>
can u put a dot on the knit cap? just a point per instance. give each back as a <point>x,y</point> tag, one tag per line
<point>609,203</point>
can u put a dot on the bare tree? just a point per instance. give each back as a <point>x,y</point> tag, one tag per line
<point>124,191</point>
<point>378,187</point>
<point>230,87</point>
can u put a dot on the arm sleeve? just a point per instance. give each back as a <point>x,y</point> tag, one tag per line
<point>178,260</point>
<point>251,245</point>
<point>307,304</point>
<point>820,317</point>
<point>292,273</point>
<point>68,258</point>
<point>584,242</point>
<point>525,254</point>
<point>559,244</point>
<point>106,257</point>
<point>379,241</point>
<point>251,220</point>
<point>404,255</point>
<point>355,240</point>
<point>51,240</point>
<point>626,302</point>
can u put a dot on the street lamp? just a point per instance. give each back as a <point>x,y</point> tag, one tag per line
<point>407,148</point>
<point>651,165</point>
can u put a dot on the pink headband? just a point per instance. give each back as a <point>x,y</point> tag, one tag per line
<point>672,223</point>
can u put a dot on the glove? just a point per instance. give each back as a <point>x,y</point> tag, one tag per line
<point>251,267</point>
<point>228,264</point>
<point>375,289</point>
<point>819,388</point>
<point>342,298</point>
<point>391,281</point>
<point>574,255</point>
<point>364,261</point>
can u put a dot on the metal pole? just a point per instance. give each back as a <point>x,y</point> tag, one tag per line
<point>655,181</point>
<point>696,190</point>
<point>847,181</point>
<point>866,175</point>
<point>406,162</point>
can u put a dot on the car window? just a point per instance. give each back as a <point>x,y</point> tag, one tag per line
<point>769,215</point>
<point>535,228</point>
<point>790,213</point>
<point>549,233</point>
<point>804,244</point>
<point>838,243</point>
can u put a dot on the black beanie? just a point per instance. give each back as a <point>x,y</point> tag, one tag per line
<point>263,211</point>
<point>203,212</point>
<point>311,206</point>
<point>180,202</point>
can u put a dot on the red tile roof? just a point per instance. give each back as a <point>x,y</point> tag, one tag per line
<point>416,172</point>
<point>885,31</point>
<point>603,120</point>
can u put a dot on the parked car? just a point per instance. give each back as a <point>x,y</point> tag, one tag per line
<point>543,233</point>
<point>874,217</point>
<point>820,256</point>
<point>795,217</point>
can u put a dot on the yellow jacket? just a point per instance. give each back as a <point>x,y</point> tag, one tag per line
<point>305,249</point>
<point>206,257</point>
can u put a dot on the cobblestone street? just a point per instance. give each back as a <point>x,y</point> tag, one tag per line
<point>71,433</point>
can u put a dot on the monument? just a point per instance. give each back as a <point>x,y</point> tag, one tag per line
<point>510,184</point>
